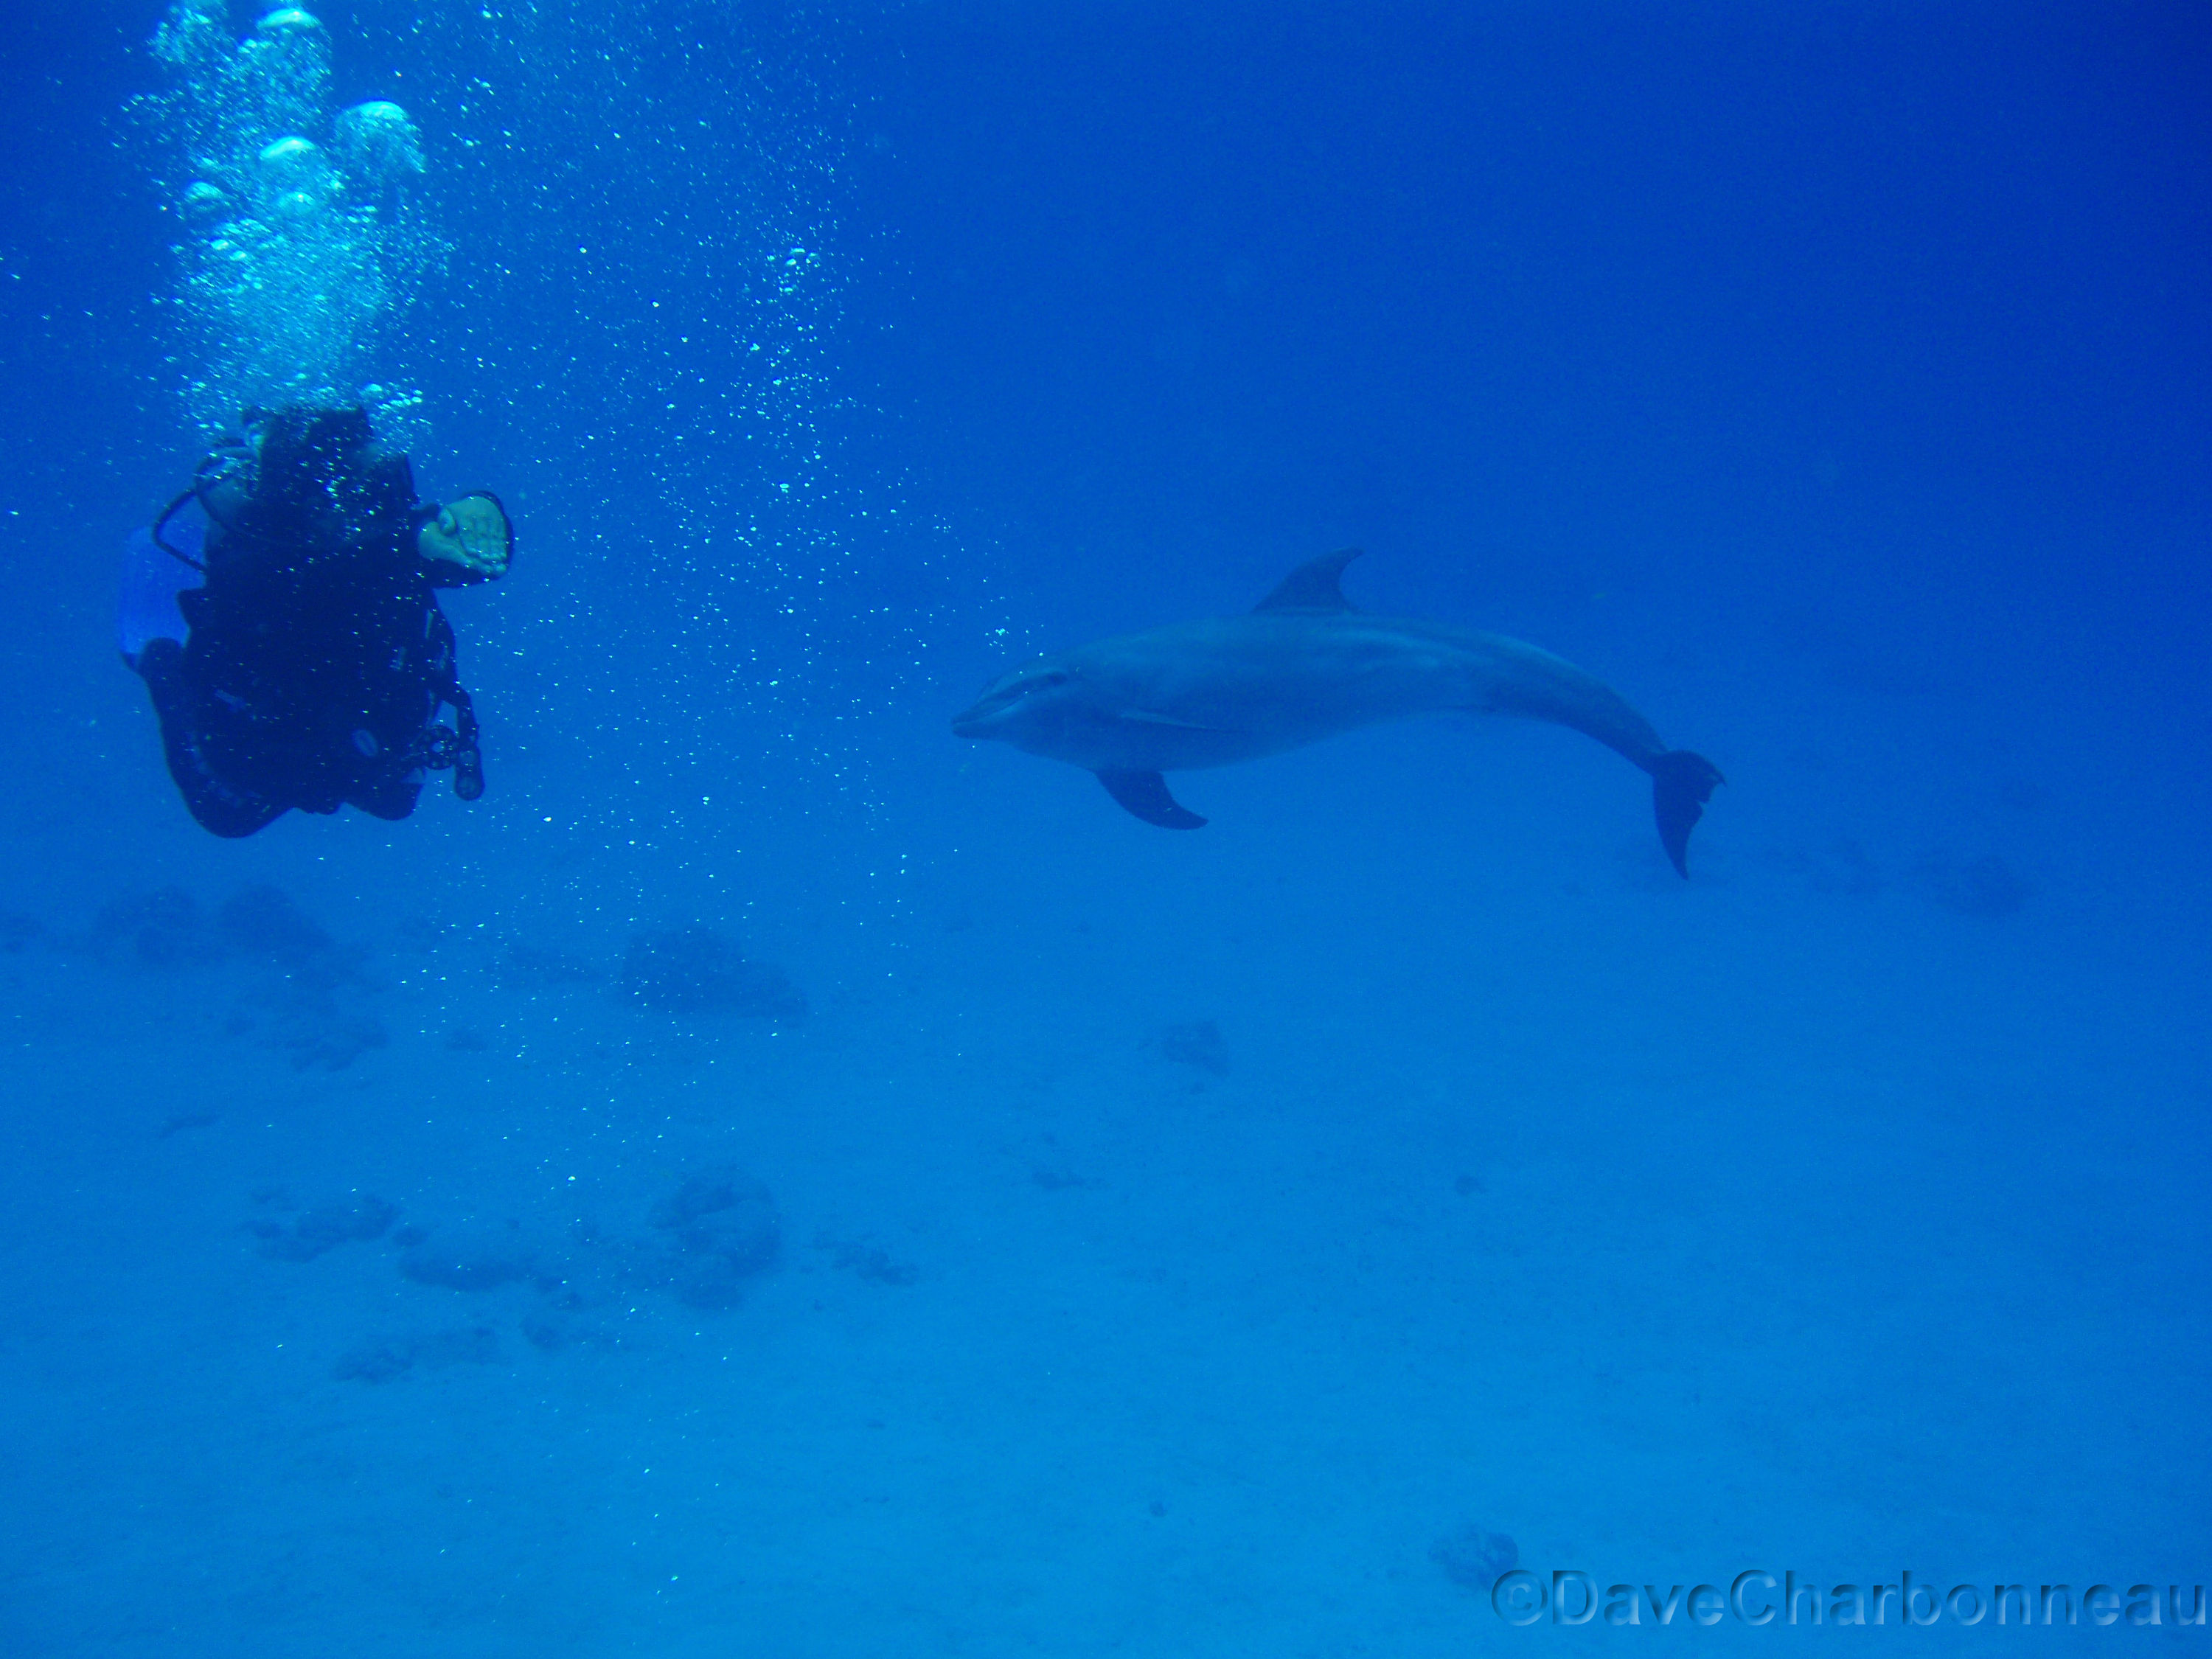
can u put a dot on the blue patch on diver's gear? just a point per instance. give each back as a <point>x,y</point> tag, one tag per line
<point>153,576</point>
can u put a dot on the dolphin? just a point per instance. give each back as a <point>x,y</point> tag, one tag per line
<point>1301,666</point>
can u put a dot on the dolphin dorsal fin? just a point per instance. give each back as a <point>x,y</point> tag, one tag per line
<point>1313,586</point>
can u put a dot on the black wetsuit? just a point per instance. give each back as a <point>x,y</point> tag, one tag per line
<point>317,655</point>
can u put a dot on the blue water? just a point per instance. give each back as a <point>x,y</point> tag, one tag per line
<point>1188,1243</point>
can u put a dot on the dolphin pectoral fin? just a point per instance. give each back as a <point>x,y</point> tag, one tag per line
<point>1314,586</point>
<point>1145,795</point>
<point>1681,784</point>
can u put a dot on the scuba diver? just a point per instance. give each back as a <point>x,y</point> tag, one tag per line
<point>290,629</point>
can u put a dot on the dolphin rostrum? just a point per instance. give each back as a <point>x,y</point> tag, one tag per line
<point>1302,666</point>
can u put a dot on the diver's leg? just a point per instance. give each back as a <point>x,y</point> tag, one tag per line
<point>218,806</point>
<point>389,794</point>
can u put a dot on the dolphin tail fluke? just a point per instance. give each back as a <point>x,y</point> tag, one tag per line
<point>1145,795</point>
<point>1681,784</point>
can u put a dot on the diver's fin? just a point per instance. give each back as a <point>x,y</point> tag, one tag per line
<point>1314,586</point>
<point>1681,784</point>
<point>1146,794</point>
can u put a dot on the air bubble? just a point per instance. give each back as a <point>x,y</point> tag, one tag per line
<point>289,20</point>
<point>203,203</point>
<point>303,249</point>
<point>379,140</point>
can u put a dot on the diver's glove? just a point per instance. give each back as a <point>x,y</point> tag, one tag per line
<point>472,532</point>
